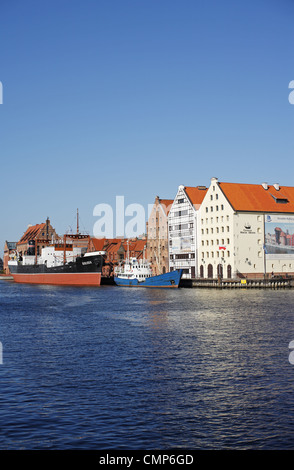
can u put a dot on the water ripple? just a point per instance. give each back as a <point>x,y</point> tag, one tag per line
<point>139,369</point>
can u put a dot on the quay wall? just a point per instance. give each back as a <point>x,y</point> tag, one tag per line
<point>276,283</point>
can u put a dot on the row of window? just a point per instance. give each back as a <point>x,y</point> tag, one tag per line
<point>217,219</point>
<point>216,208</point>
<point>217,242</point>
<point>181,213</point>
<point>181,226</point>
<point>216,254</point>
<point>183,256</point>
<point>217,230</point>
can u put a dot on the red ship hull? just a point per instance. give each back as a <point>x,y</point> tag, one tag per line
<point>65,279</point>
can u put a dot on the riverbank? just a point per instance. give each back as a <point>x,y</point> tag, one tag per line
<point>276,283</point>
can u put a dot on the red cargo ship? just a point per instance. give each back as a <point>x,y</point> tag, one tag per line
<point>59,264</point>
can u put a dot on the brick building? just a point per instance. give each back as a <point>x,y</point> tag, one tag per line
<point>117,250</point>
<point>38,235</point>
<point>157,236</point>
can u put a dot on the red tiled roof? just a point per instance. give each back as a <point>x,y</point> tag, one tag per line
<point>196,194</point>
<point>254,198</point>
<point>113,247</point>
<point>166,204</point>
<point>139,245</point>
<point>135,245</point>
<point>32,232</point>
<point>98,243</point>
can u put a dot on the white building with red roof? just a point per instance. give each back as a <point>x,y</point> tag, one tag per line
<point>247,230</point>
<point>183,230</point>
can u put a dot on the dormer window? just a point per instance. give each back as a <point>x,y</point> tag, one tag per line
<point>280,199</point>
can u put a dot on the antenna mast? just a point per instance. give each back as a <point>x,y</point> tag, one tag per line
<point>78,231</point>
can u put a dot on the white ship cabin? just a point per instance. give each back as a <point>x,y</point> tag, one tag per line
<point>53,255</point>
<point>134,268</point>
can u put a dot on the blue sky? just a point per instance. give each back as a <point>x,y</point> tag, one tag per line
<point>135,97</point>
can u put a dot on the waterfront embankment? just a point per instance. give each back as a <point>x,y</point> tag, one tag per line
<point>275,283</point>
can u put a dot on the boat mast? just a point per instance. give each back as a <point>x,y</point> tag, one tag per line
<point>78,230</point>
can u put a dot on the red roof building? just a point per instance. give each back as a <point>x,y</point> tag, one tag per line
<point>117,250</point>
<point>246,230</point>
<point>39,234</point>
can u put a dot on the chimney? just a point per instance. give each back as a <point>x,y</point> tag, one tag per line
<point>47,228</point>
<point>277,186</point>
<point>264,185</point>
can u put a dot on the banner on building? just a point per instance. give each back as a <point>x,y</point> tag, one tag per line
<point>279,236</point>
<point>182,244</point>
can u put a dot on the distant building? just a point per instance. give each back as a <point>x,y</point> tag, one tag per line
<point>117,250</point>
<point>36,236</point>
<point>9,250</point>
<point>136,247</point>
<point>183,230</point>
<point>157,236</point>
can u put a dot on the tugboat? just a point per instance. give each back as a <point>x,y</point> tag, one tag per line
<point>138,273</point>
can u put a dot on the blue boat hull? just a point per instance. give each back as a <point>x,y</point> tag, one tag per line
<point>171,279</point>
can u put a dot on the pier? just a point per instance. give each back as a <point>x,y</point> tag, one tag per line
<point>275,283</point>
<point>6,277</point>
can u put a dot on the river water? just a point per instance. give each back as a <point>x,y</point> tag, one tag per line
<point>123,368</point>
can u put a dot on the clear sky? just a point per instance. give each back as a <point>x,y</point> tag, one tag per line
<point>134,97</point>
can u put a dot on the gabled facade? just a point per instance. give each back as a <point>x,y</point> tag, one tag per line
<point>157,236</point>
<point>246,230</point>
<point>183,230</point>
<point>39,235</point>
